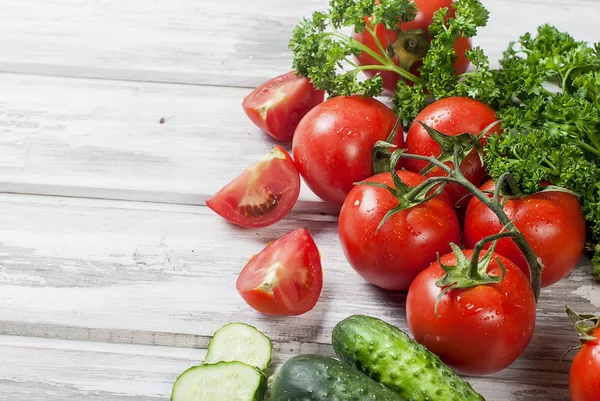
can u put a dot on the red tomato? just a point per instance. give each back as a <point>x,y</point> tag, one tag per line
<point>262,195</point>
<point>285,278</point>
<point>552,223</point>
<point>477,330</point>
<point>278,105</point>
<point>450,116</point>
<point>387,37</point>
<point>406,244</point>
<point>333,143</point>
<point>584,377</point>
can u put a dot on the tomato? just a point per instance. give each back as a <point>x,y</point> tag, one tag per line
<point>450,116</point>
<point>552,223</point>
<point>406,244</point>
<point>477,330</point>
<point>278,105</point>
<point>262,195</point>
<point>285,278</point>
<point>584,376</point>
<point>333,143</point>
<point>389,37</point>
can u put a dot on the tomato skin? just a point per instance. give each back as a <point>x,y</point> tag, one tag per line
<point>478,330</point>
<point>406,244</point>
<point>285,278</point>
<point>584,376</point>
<point>278,105</point>
<point>451,116</point>
<point>333,143</point>
<point>273,181</point>
<point>552,223</point>
<point>424,17</point>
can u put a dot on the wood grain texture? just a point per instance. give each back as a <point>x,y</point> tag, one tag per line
<point>164,275</point>
<point>235,43</point>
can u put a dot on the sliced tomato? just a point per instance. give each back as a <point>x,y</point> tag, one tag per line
<point>278,105</point>
<point>285,278</point>
<point>262,195</point>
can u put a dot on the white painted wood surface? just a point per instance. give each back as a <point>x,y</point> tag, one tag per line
<point>110,298</point>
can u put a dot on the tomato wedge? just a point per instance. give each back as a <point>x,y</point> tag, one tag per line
<point>278,105</point>
<point>262,195</point>
<point>285,278</point>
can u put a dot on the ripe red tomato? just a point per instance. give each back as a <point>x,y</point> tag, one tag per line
<point>450,116</point>
<point>262,195</point>
<point>406,244</point>
<point>278,105</point>
<point>333,143</point>
<point>552,223</point>
<point>387,38</point>
<point>584,377</point>
<point>285,278</point>
<point>477,330</point>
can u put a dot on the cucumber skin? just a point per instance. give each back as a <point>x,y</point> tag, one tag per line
<point>386,354</point>
<point>321,378</point>
<point>261,390</point>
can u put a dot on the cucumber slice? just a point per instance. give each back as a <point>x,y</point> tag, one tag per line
<point>240,342</point>
<point>223,381</point>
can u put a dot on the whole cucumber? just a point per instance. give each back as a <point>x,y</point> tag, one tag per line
<point>386,354</point>
<point>321,378</point>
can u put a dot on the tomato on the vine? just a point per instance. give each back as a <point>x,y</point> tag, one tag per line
<point>584,376</point>
<point>405,244</point>
<point>476,330</point>
<point>451,116</point>
<point>406,44</point>
<point>278,105</point>
<point>551,221</point>
<point>333,143</point>
<point>285,278</point>
<point>261,195</point>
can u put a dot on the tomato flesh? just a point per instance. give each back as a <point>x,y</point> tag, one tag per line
<point>451,116</point>
<point>387,37</point>
<point>278,105</point>
<point>262,195</point>
<point>478,330</point>
<point>552,223</point>
<point>584,376</point>
<point>406,244</point>
<point>333,143</point>
<point>285,278</point>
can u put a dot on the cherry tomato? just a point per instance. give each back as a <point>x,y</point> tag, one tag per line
<point>552,223</point>
<point>450,116</point>
<point>477,330</point>
<point>278,105</point>
<point>333,143</point>
<point>406,244</point>
<point>584,377</point>
<point>262,195</point>
<point>285,278</point>
<point>389,37</point>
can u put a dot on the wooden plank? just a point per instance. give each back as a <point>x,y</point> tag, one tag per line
<point>92,138</point>
<point>236,43</point>
<point>116,372</point>
<point>158,274</point>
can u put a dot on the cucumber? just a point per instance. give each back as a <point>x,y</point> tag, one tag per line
<point>321,378</point>
<point>386,354</point>
<point>239,342</point>
<point>222,381</point>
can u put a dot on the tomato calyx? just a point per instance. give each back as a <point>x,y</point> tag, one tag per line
<point>383,150</point>
<point>585,325</point>
<point>410,47</point>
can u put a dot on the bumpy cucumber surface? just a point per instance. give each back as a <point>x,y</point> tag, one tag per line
<point>239,342</point>
<point>320,378</point>
<point>386,354</point>
<point>223,381</point>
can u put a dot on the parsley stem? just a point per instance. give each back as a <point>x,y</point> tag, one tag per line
<point>590,148</point>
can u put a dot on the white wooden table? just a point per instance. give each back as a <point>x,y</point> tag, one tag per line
<point>113,273</point>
